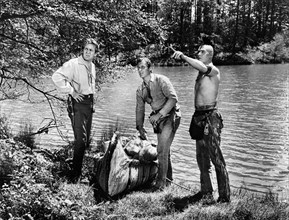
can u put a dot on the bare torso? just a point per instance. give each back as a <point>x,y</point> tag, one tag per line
<point>206,88</point>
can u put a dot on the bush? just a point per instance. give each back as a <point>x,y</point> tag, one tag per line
<point>232,59</point>
<point>276,51</point>
<point>33,192</point>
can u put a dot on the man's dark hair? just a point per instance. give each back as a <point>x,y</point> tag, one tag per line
<point>146,60</point>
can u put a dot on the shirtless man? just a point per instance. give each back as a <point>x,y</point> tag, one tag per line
<point>206,125</point>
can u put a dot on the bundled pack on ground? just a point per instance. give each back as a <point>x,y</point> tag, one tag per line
<point>127,164</point>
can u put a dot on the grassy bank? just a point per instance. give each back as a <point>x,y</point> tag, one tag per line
<point>159,205</point>
<point>32,188</point>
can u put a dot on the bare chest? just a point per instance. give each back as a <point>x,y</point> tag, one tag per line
<point>206,85</point>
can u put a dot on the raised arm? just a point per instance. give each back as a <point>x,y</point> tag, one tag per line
<point>197,64</point>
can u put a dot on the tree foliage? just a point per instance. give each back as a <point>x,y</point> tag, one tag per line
<point>231,25</point>
<point>39,35</point>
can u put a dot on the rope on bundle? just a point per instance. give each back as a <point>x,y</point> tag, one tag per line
<point>178,184</point>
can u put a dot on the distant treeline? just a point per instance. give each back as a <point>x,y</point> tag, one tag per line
<point>39,35</point>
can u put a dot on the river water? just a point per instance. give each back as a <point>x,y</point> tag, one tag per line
<point>253,100</point>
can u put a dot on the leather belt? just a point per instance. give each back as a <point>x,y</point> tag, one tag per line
<point>89,96</point>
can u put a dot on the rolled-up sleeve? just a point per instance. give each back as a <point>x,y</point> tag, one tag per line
<point>140,109</point>
<point>169,91</point>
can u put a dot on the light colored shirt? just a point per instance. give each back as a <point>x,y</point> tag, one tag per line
<point>162,97</point>
<point>75,75</point>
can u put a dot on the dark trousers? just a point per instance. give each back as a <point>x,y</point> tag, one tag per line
<point>81,120</point>
<point>209,149</point>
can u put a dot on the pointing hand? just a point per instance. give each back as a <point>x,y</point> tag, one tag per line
<point>177,55</point>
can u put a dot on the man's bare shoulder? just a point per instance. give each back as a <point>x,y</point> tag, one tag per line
<point>215,71</point>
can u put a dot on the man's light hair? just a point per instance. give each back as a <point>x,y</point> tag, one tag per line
<point>209,49</point>
<point>146,60</point>
<point>93,42</point>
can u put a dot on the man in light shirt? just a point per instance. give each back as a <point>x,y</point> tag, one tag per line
<point>76,78</point>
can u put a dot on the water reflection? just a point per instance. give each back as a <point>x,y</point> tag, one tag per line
<point>258,124</point>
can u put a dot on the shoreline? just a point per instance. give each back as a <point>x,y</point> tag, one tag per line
<point>35,192</point>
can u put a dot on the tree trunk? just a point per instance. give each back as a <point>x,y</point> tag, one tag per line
<point>247,25</point>
<point>236,28</point>
<point>272,20</point>
<point>181,37</point>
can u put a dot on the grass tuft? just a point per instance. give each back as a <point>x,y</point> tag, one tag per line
<point>26,135</point>
<point>5,130</point>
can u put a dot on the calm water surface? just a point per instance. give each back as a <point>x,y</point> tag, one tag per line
<point>253,101</point>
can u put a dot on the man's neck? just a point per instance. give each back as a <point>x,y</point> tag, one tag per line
<point>88,62</point>
<point>147,79</point>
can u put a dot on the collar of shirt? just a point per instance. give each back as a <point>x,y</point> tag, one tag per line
<point>152,79</point>
<point>84,62</point>
<point>90,75</point>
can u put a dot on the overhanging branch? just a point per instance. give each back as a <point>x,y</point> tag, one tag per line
<point>46,94</point>
<point>6,16</point>
<point>24,43</point>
